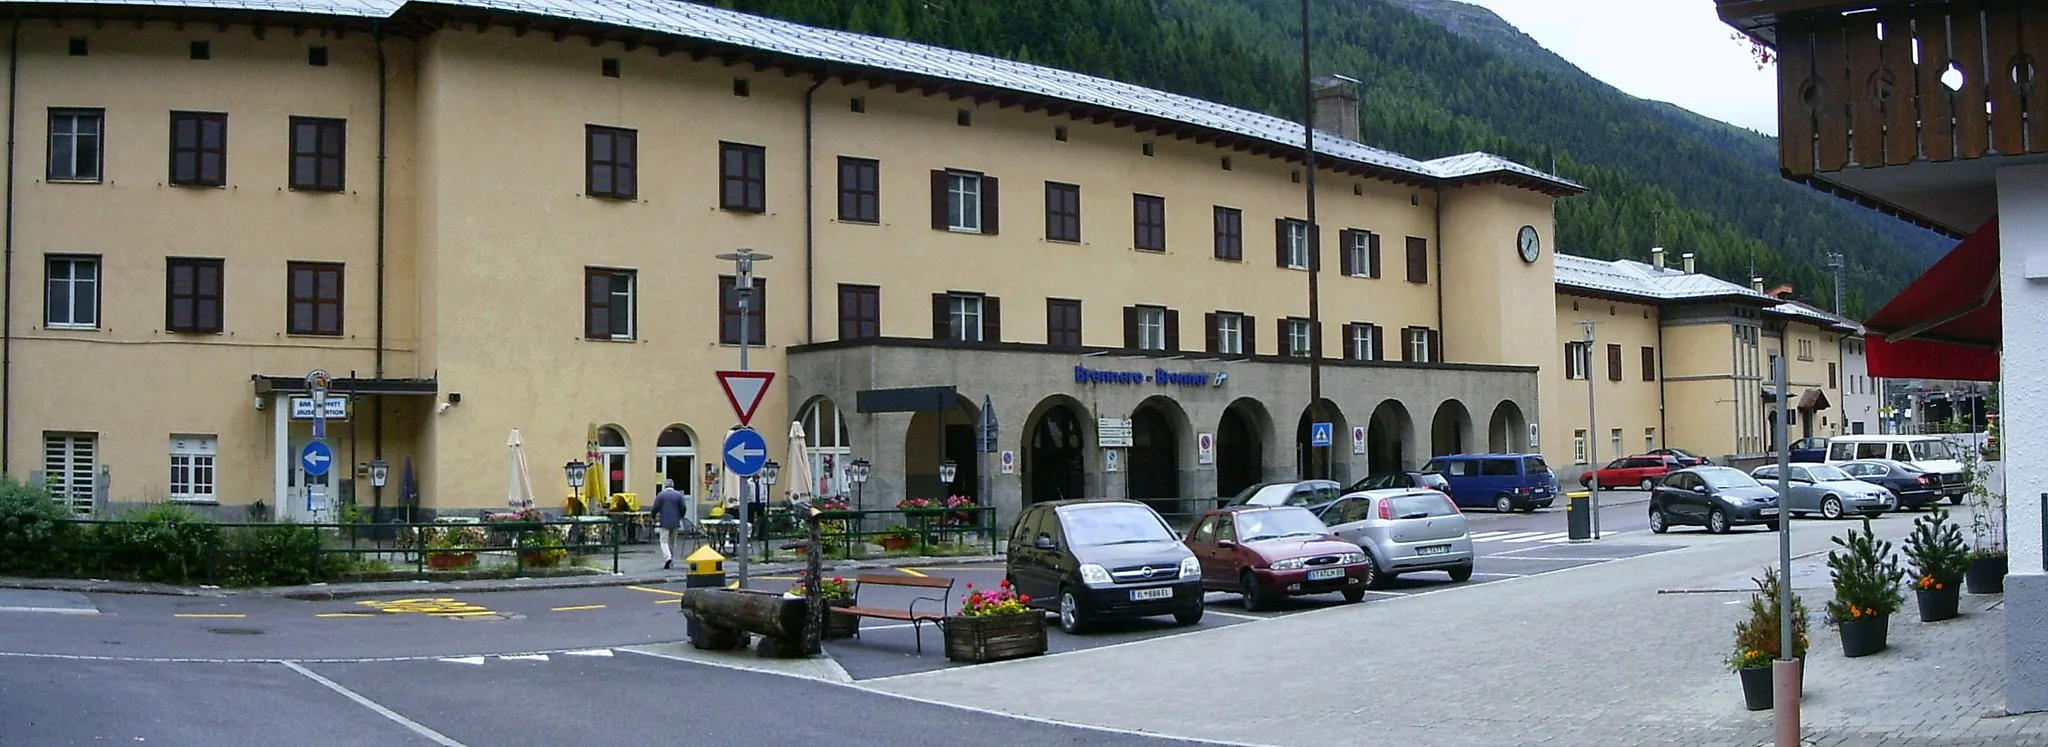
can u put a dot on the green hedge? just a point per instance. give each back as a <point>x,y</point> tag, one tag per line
<point>165,543</point>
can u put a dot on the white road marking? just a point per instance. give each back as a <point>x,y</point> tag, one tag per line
<point>52,610</point>
<point>524,657</point>
<point>415,726</point>
<point>1477,536</point>
<point>592,652</point>
<point>1536,538</point>
<point>477,660</point>
<point>1511,537</point>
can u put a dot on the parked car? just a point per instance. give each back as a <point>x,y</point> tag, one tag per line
<point>1930,454</point>
<point>1404,530</point>
<point>1684,457</point>
<point>1402,479</point>
<point>1504,481</point>
<point>1095,560</point>
<point>1713,497</point>
<point>1824,489</point>
<point>1810,450</point>
<point>1641,470</point>
<point>1268,552</point>
<point>1913,488</point>
<point>1309,494</point>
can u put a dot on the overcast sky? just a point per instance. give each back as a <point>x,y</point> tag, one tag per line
<point>1669,50</point>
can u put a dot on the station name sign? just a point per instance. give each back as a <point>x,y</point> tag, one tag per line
<point>1161,376</point>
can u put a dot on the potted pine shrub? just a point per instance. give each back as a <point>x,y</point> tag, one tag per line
<point>1866,579</point>
<point>1987,559</point>
<point>1757,639</point>
<point>995,625</point>
<point>1939,562</point>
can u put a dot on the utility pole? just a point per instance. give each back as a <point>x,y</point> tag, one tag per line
<point>1592,426</point>
<point>1835,266</point>
<point>1785,670</point>
<point>1310,232</point>
<point>743,287</point>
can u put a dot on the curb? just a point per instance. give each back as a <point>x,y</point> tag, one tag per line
<point>324,592</point>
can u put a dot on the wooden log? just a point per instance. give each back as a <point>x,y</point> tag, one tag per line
<point>763,612</point>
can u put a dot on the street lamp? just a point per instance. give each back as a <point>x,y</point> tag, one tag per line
<point>947,471</point>
<point>575,470</point>
<point>858,473</point>
<point>770,471</point>
<point>379,471</point>
<point>743,287</point>
<point>1311,234</point>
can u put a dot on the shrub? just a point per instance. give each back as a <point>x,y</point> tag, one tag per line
<point>277,555</point>
<point>1757,639</point>
<point>161,543</point>
<point>1866,577</point>
<point>1937,551</point>
<point>33,529</point>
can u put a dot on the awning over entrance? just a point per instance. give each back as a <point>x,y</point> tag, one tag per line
<point>1946,324</point>
<point>387,387</point>
<point>1813,400</point>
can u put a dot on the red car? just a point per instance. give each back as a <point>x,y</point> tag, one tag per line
<point>1267,552</point>
<point>1642,471</point>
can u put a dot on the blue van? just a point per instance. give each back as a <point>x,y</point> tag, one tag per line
<point>1505,482</point>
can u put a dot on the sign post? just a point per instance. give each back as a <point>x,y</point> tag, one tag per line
<point>317,458</point>
<point>985,447</point>
<point>744,452</point>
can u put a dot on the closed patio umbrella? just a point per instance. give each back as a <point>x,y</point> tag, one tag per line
<point>797,476</point>
<point>519,489</point>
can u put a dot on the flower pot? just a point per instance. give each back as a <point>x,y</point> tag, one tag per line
<point>1864,637</point>
<point>898,543</point>
<point>839,627</point>
<point>1756,687</point>
<point>447,561</point>
<point>1987,575</point>
<point>995,637</point>
<point>1938,604</point>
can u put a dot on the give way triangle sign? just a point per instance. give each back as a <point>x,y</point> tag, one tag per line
<point>744,389</point>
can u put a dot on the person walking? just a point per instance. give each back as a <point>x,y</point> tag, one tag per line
<point>668,516</point>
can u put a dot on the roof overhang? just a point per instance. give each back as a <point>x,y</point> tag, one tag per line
<point>272,385</point>
<point>1947,324</point>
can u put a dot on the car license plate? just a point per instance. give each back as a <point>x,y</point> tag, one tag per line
<point>1141,595</point>
<point>1768,512</point>
<point>1433,550</point>
<point>1324,574</point>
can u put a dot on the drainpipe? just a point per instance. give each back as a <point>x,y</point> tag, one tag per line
<point>1440,272</point>
<point>1663,426</point>
<point>383,184</point>
<point>7,316</point>
<point>810,218</point>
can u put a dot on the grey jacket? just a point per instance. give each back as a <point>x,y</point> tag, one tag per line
<point>668,508</point>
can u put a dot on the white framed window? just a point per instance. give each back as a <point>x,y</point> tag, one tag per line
<point>612,452</point>
<point>1362,342</point>
<point>963,201</point>
<point>830,449</point>
<point>192,468</point>
<point>1575,363</point>
<point>69,463</point>
<point>75,144</point>
<point>71,298</point>
<point>964,317</point>
<point>1297,337</point>
<point>1649,439</point>
<point>1806,350</point>
<point>1151,328</point>
<point>1230,334</point>
<point>675,461</point>
<point>1579,446</point>
<point>1615,437</point>
<point>1297,245</point>
<point>1356,255</point>
<point>1418,344</point>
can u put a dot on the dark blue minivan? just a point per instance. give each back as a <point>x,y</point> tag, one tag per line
<point>1506,482</point>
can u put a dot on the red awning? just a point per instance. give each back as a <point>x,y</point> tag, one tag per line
<point>1946,324</point>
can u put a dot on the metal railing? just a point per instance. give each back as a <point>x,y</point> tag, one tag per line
<point>867,534</point>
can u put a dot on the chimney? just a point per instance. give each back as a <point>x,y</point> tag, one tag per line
<point>1336,102</point>
<point>1782,292</point>
<point>1657,256</point>
<point>1688,263</point>
<point>1756,284</point>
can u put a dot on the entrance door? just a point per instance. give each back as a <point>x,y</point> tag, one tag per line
<point>1237,453</point>
<point>1055,458</point>
<point>1155,461</point>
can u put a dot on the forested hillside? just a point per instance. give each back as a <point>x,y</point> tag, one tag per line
<point>1657,178</point>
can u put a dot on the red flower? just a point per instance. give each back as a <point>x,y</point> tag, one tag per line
<point>1006,583</point>
<point>1024,598</point>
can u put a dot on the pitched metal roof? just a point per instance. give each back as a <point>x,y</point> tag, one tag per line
<point>1814,314</point>
<point>716,25</point>
<point>1641,280</point>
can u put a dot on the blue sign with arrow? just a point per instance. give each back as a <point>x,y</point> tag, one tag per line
<point>745,452</point>
<point>316,458</point>
<point>1319,434</point>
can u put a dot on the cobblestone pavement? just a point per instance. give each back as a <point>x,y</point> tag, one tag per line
<point>1591,656</point>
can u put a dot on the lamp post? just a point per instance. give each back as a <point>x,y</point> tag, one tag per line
<point>771,470</point>
<point>1592,427</point>
<point>857,472</point>
<point>1316,458</point>
<point>575,471</point>
<point>947,471</point>
<point>1785,670</point>
<point>743,287</point>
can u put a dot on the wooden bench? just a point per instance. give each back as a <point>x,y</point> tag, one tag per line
<point>910,615</point>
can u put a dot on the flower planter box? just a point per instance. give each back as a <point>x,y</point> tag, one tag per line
<point>1987,575</point>
<point>898,543</point>
<point>1864,637</point>
<point>448,561</point>
<point>995,637</point>
<point>1937,604</point>
<point>840,627</point>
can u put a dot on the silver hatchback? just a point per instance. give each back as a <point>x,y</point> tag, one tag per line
<point>1403,530</point>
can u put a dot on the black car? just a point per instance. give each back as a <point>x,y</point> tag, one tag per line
<point>1314,495</point>
<point>1404,479</point>
<point>1096,560</point>
<point>1685,458</point>
<point>1713,497</point>
<point>1914,488</point>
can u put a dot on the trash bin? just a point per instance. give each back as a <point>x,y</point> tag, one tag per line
<point>1578,512</point>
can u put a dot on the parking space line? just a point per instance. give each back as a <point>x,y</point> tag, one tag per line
<point>1505,556</point>
<point>415,726</point>
<point>1238,615</point>
<point>912,572</point>
<point>656,591</point>
<point>1477,536</point>
<point>210,616</point>
<point>577,608</point>
<point>981,568</point>
<point>345,614</point>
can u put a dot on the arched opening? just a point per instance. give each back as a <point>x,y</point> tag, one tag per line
<point>1240,446</point>
<point>1387,438</point>
<point>611,448</point>
<point>934,437</point>
<point>1507,431</point>
<point>1326,462</point>
<point>1055,449</point>
<point>1449,432</point>
<point>1154,464</point>
<point>828,448</point>
<point>675,462</point>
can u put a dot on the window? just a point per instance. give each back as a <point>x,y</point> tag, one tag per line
<point>860,190</point>
<point>612,157</point>
<point>1292,243</point>
<point>192,468</point>
<point>860,311</point>
<point>1151,328</point>
<point>963,317</point>
<point>1575,360</point>
<point>317,148</point>
<point>1649,363</point>
<point>1832,381</point>
<point>964,201</point>
<point>1613,362</point>
<point>1361,253</point>
<point>315,299</point>
<point>1649,439</point>
<point>608,67</point>
<point>316,56</point>
<point>1806,350</point>
<point>743,177</point>
<point>1148,219</point>
<point>1229,234</point>
<point>1418,260</point>
<point>1579,446</point>
<point>69,467</point>
<point>1419,345</point>
<point>71,296</point>
<point>199,149</point>
<point>1615,436</point>
<point>75,144</point>
<point>608,303</point>
<point>192,295</point>
<point>1362,342</point>
<point>1062,212</point>
<point>1226,333</point>
<point>1063,322</point>
<point>1296,335</point>
<point>729,312</point>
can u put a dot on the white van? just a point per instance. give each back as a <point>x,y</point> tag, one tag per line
<point>1931,454</point>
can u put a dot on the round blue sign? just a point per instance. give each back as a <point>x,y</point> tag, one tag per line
<point>745,452</point>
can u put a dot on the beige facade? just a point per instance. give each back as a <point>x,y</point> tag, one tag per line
<point>1626,372</point>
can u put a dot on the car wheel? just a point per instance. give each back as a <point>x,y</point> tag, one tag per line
<point>1255,598</point>
<point>1374,578</point>
<point>1648,485</point>
<point>1955,500</point>
<point>1772,526</point>
<point>1717,521</point>
<point>1585,482</point>
<point>1354,596</point>
<point>1071,621</point>
<point>1657,523</point>
<point>1189,616</point>
<point>1503,504</point>
<point>1831,507</point>
<point>1462,573</point>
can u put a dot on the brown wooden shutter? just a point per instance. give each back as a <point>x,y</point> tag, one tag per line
<point>1280,256</point>
<point>1314,235</point>
<point>1379,343</point>
<point>1249,329</point>
<point>1407,349</point>
<point>1315,339</point>
<point>1418,260</point>
<point>939,199</point>
<point>1210,332</point>
<point>1372,255</point>
<point>1350,343</point>
<point>1344,263</point>
<point>1285,341</point>
<point>991,216</point>
<point>597,312</point>
<point>1131,327</point>
<point>1613,362</point>
<point>1436,345</point>
<point>1650,363</point>
<point>991,319</point>
<point>1172,331</point>
<point>942,316</point>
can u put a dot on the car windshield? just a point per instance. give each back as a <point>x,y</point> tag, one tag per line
<point>1827,473</point>
<point>1274,523</point>
<point>1930,450</point>
<point>1727,478</point>
<point>1422,506</point>
<point>1113,525</point>
<point>1534,465</point>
